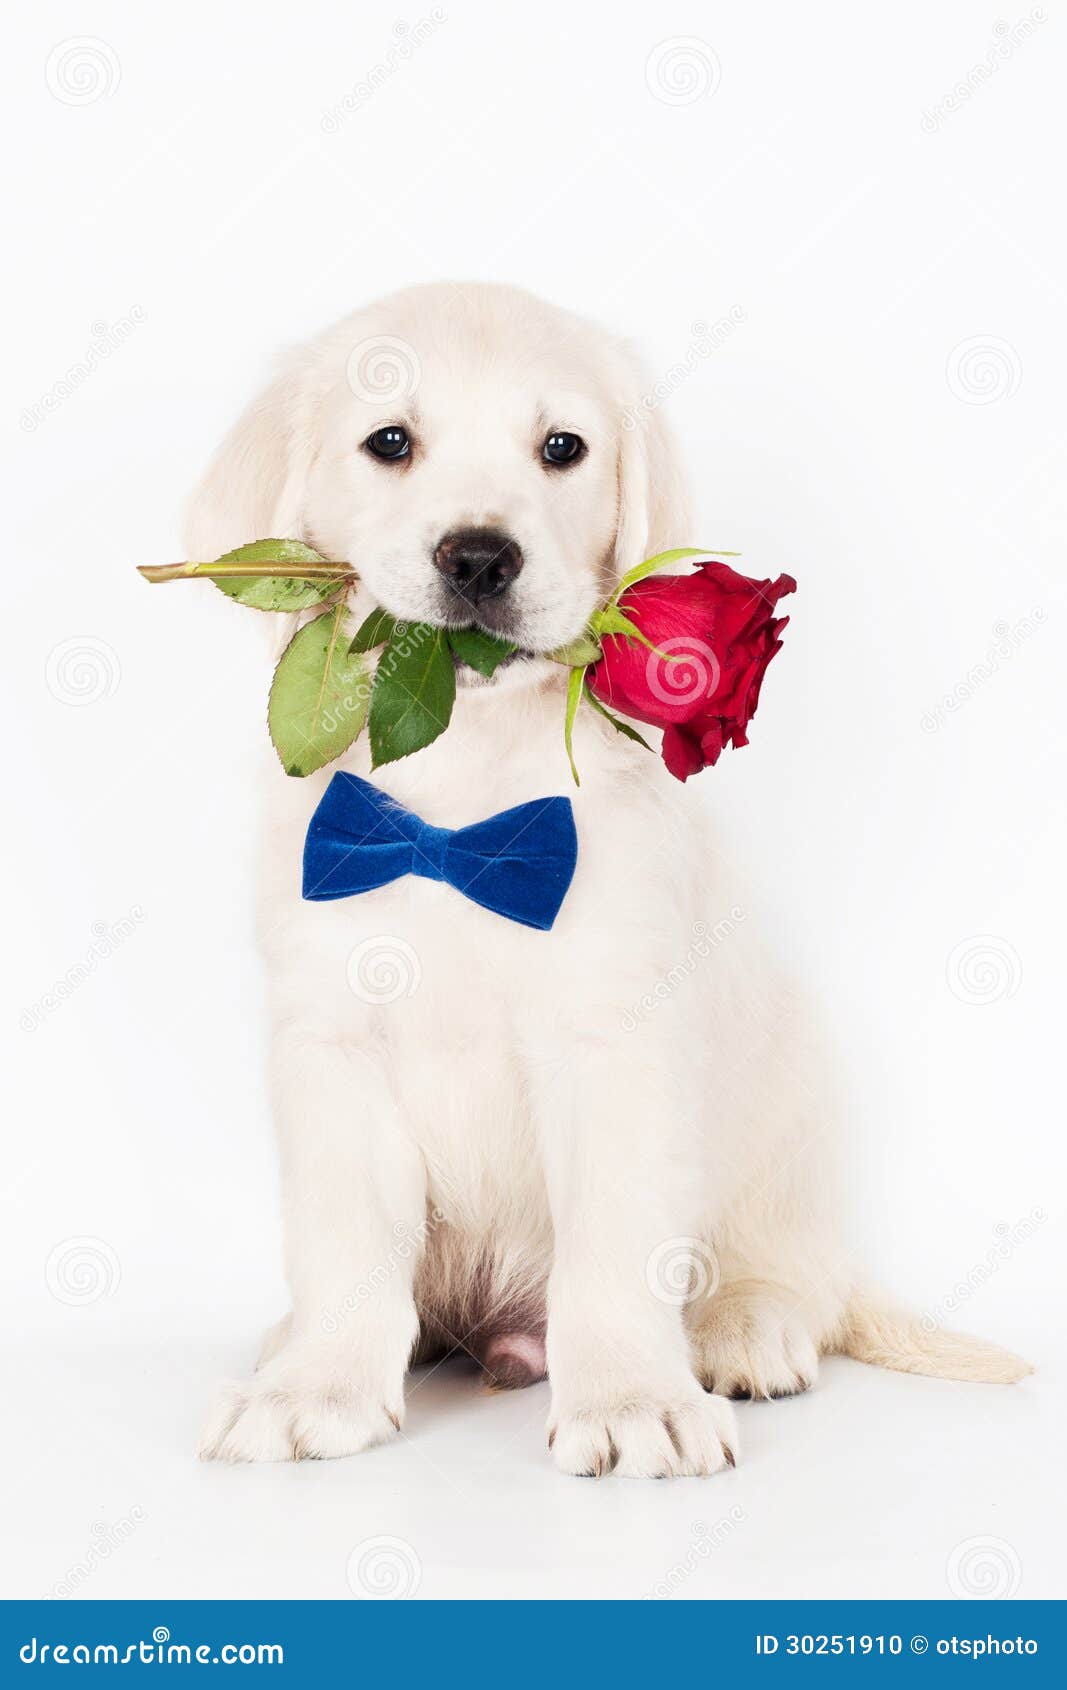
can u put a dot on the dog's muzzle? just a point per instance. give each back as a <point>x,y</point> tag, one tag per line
<point>478,563</point>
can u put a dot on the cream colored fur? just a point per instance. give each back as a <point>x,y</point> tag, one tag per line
<point>503,1136</point>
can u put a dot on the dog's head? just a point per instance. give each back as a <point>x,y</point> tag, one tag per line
<point>479,457</point>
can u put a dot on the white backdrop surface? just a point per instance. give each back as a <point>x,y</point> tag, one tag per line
<point>839,242</point>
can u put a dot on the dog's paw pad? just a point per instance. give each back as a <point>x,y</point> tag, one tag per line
<point>647,1439</point>
<point>755,1350</point>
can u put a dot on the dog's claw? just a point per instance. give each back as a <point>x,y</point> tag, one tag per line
<point>638,1439</point>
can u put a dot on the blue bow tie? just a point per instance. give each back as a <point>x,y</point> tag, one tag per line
<point>518,863</point>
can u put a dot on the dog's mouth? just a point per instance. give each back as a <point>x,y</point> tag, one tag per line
<point>473,674</point>
<point>489,629</point>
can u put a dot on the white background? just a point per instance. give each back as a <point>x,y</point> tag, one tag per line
<point>885,421</point>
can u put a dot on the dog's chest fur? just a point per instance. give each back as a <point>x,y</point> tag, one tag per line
<point>468,1011</point>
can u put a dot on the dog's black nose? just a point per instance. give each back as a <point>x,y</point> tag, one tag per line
<point>478,563</point>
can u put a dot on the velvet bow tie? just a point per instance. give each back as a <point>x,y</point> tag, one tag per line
<point>518,864</point>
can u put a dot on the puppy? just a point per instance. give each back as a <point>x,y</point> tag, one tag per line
<point>485,1144</point>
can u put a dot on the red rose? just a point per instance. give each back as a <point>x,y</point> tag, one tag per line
<point>721,632</point>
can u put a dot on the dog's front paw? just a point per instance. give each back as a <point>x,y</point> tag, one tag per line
<point>296,1413</point>
<point>644,1436</point>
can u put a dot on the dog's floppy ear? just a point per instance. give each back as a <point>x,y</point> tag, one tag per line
<point>256,485</point>
<point>653,507</point>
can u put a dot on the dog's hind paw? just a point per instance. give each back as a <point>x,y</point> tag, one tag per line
<point>753,1346</point>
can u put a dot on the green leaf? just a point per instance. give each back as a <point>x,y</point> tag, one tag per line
<point>660,561</point>
<point>318,698</point>
<point>274,592</point>
<point>577,652</point>
<point>414,691</point>
<point>377,630</point>
<point>482,651</point>
<point>575,683</point>
<point>616,721</point>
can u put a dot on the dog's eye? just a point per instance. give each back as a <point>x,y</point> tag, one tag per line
<point>390,443</point>
<point>563,449</point>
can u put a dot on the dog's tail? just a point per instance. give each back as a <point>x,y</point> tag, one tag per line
<point>876,1332</point>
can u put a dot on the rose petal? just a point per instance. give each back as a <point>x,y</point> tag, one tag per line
<point>681,754</point>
